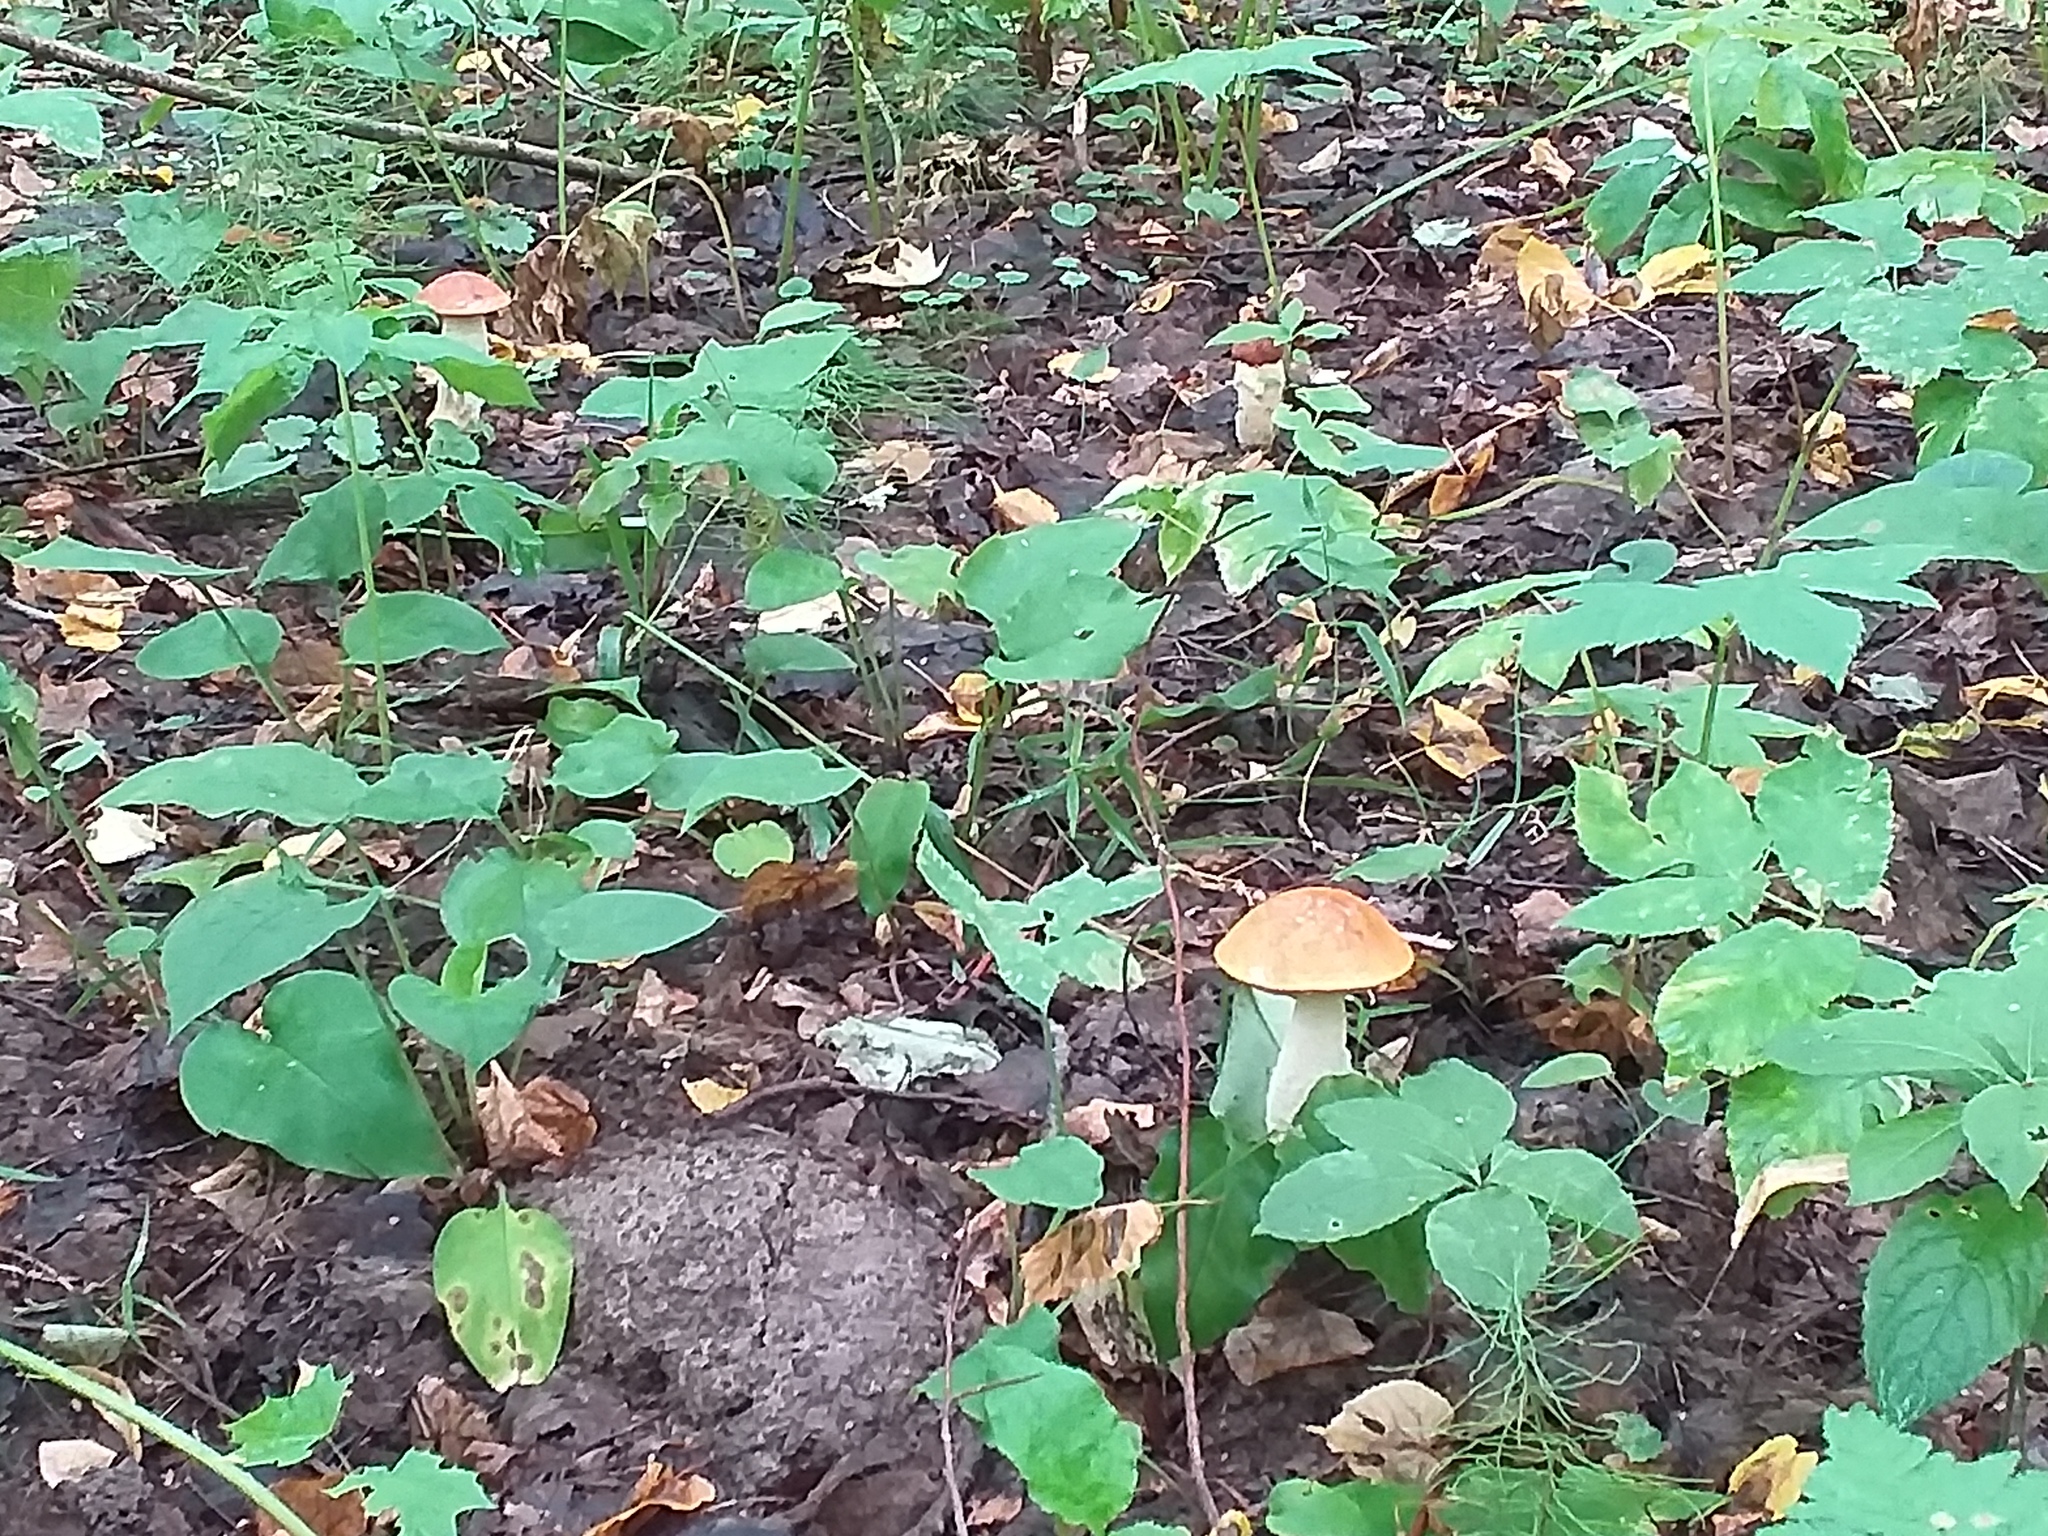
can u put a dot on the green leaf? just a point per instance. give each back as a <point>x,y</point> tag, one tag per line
<point>618,925</point>
<point>775,655</point>
<point>324,1085</point>
<point>422,787</point>
<point>282,1431</point>
<point>1829,816</point>
<point>1572,1067</point>
<point>2007,1128</point>
<point>287,779</point>
<point>1348,1194</point>
<point>425,1494</point>
<point>259,395</point>
<point>694,782</point>
<point>170,236</point>
<point>70,116</point>
<point>1582,1500</point>
<point>1230,1266</point>
<point>326,543</point>
<point>1491,1247</point>
<point>1078,1457</point>
<point>887,822</point>
<point>1879,1481</point>
<point>498,895</point>
<point>607,31</point>
<point>65,553</point>
<point>920,574</point>
<point>215,641</point>
<point>1774,1116</point>
<point>1062,1173</point>
<point>1572,1183</point>
<point>620,755</point>
<point>1704,819</point>
<point>1301,1508</point>
<point>1610,833</point>
<point>1402,861</point>
<point>396,627</point>
<point>1668,904</point>
<point>1453,1114</point>
<point>503,1277</point>
<point>241,932</point>
<point>476,1026</point>
<point>740,851</point>
<point>1212,72</point>
<point>1724,1006</point>
<point>1397,1256</point>
<point>1952,1289</point>
<point>1901,1156</point>
<point>785,576</point>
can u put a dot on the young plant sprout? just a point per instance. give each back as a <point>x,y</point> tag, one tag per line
<point>464,301</point>
<point>1312,946</point>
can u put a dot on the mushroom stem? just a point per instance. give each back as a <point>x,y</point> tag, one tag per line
<point>451,404</point>
<point>1314,1045</point>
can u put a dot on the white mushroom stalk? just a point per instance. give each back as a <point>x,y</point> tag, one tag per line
<point>464,303</point>
<point>1315,1044</point>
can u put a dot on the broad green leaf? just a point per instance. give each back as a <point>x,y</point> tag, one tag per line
<point>283,1431</point>
<point>2007,1128</point>
<point>920,574</point>
<point>607,31</point>
<point>260,394</point>
<point>694,782</point>
<point>1774,1116</point>
<point>215,641</point>
<point>1610,833</point>
<point>1952,1289</point>
<point>771,453</point>
<point>1397,1256</point>
<point>1211,73</point>
<point>287,779</point>
<point>503,1277</point>
<point>65,553</point>
<point>1879,1481</point>
<point>1061,1172</point>
<point>1725,1005</point>
<point>1078,1457</point>
<point>324,1085</point>
<point>785,576</point>
<point>422,787</point>
<point>1490,1246</point>
<point>1725,73</point>
<point>1668,904</point>
<point>620,756</point>
<point>1705,820</point>
<point>617,925</point>
<point>1453,1114</point>
<point>1902,1156</point>
<point>1230,1266</point>
<point>69,115</point>
<point>888,820</point>
<point>421,1492</point>
<point>1572,1067</point>
<point>740,851</point>
<point>498,895</point>
<point>1348,1194</point>
<point>1402,861</point>
<point>1829,816</point>
<point>1583,1500</point>
<point>1301,1508</point>
<point>1572,1183</point>
<point>476,1026</point>
<point>241,932</point>
<point>169,235</point>
<point>774,655</point>
<point>396,627</point>
<point>340,528</point>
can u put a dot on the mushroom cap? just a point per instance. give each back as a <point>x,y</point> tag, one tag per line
<point>1315,938</point>
<point>459,295</point>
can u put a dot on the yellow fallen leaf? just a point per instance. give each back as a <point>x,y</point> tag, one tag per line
<point>1772,1476</point>
<point>1828,459</point>
<point>1454,741</point>
<point>92,626</point>
<point>1683,269</point>
<point>1095,1246</point>
<point>710,1096</point>
<point>1792,1173</point>
<point>1555,297</point>
<point>1157,296</point>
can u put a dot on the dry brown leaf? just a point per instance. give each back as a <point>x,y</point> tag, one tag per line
<point>1271,1343</point>
<point>994,1509</point>
<point>1391,1433</point>
<point>898,264</point>
<point>1544,160</point>
<point>777,890</point>
<point>1828,459</point>
<point>1454,486</point>
<point>550,295</point>
<point>1792,1173</point>
<point>710,1096</point>
<point>1095,1246</point>
<point>327,1514</point>
<point>654,1002</point>
<point>65,709</point>
<point>1603,1024</point>
<point>131,1437</point>
<point>1156,296</point>
<point>93,626</point>
<point>1681,270</point>
<point>1555,297</point>
<point>1090,1121</point>
<point>119,836</point>
<point>909,461</point>
<point>657,1491</point>
<point>2015,703</point>
<point>1022,507</point>
<point>943,921</point>
<point>541,1121</point>
<point>1772,1476</point>
<point>612,242</point>
<point>70,1461</point>
<point>456,1428</point>
<point>239,1190</point>
<point>1454,741</point>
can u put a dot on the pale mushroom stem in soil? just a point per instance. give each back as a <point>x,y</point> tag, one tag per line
<point>1312,946</point>
<point>464,302</point>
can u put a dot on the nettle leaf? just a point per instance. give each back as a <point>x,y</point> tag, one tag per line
<point>239,933</point>
<point>397,627</point>
<point>218,640</point>
<point>287,779</point>
<point>1062,1173</point>
<point>324,1085</point>
<point>1724,1006</point>
<point>1078,1457</point>
<point>503,1275</point>
<point>423,1493</point>
<point>2007,1129</point>
<point>1953,1288</point>
<point>1610,833</point>
<point>1829,816</point>
<point>1230,1265</point>
<point>1706,822</point>
<point>1902,1156</point>
<point>282,1431</point>
<point>1875,1478</point>
<point>422,787</point>
<point>1491,1247</point>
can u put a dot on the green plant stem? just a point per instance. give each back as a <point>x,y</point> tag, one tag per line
<point>785,262</point>
<point>104,1398</point>
<point>1809,434</point>
<point>561,117</point>
<point>1249,151</point>
<point>1724,396</point>
<point>1578,107</point>
<point>1722,644</point>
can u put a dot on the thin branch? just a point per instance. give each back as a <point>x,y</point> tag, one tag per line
<point>372,130</point>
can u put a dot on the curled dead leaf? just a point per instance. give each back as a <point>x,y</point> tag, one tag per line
<point>1095,1246</point>
<point>541,1121</point>
<point>328,1514</point>
<point>1772,1476</point>
<point>778,890</point>
<point>1555,296</point>
<point>70,1461</point>
<point>1090,1121</point>
<point>1454,741</point>
<point>1273,1341</point>
<point>1392,1433</point>
<point>1792,1173</point>
<point>657,1491</point>
<point>1454,486</point>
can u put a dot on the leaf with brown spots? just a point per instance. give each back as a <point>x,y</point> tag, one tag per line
<point>1097,1245</point>
<point>503,1277</point>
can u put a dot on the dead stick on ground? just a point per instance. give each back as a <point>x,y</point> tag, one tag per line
<point>372,130</point>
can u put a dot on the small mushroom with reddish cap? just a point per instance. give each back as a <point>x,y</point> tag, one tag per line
<point>464,301</point>
<point>1312,946</point>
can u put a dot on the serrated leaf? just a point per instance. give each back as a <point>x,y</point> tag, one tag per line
<point>1952,1289</point>
<point>1775,1116</point>
<point>1610,833</point>
<point>1829,816</point>
<point>282,1431</point>
<point>1902,1156</point>
<point>424,1494</point>
<point>1879,1481</point>
<point>1668,904</point>
<point>1724,1006</point>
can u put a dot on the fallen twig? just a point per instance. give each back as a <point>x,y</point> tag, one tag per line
<point>369,129</point>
